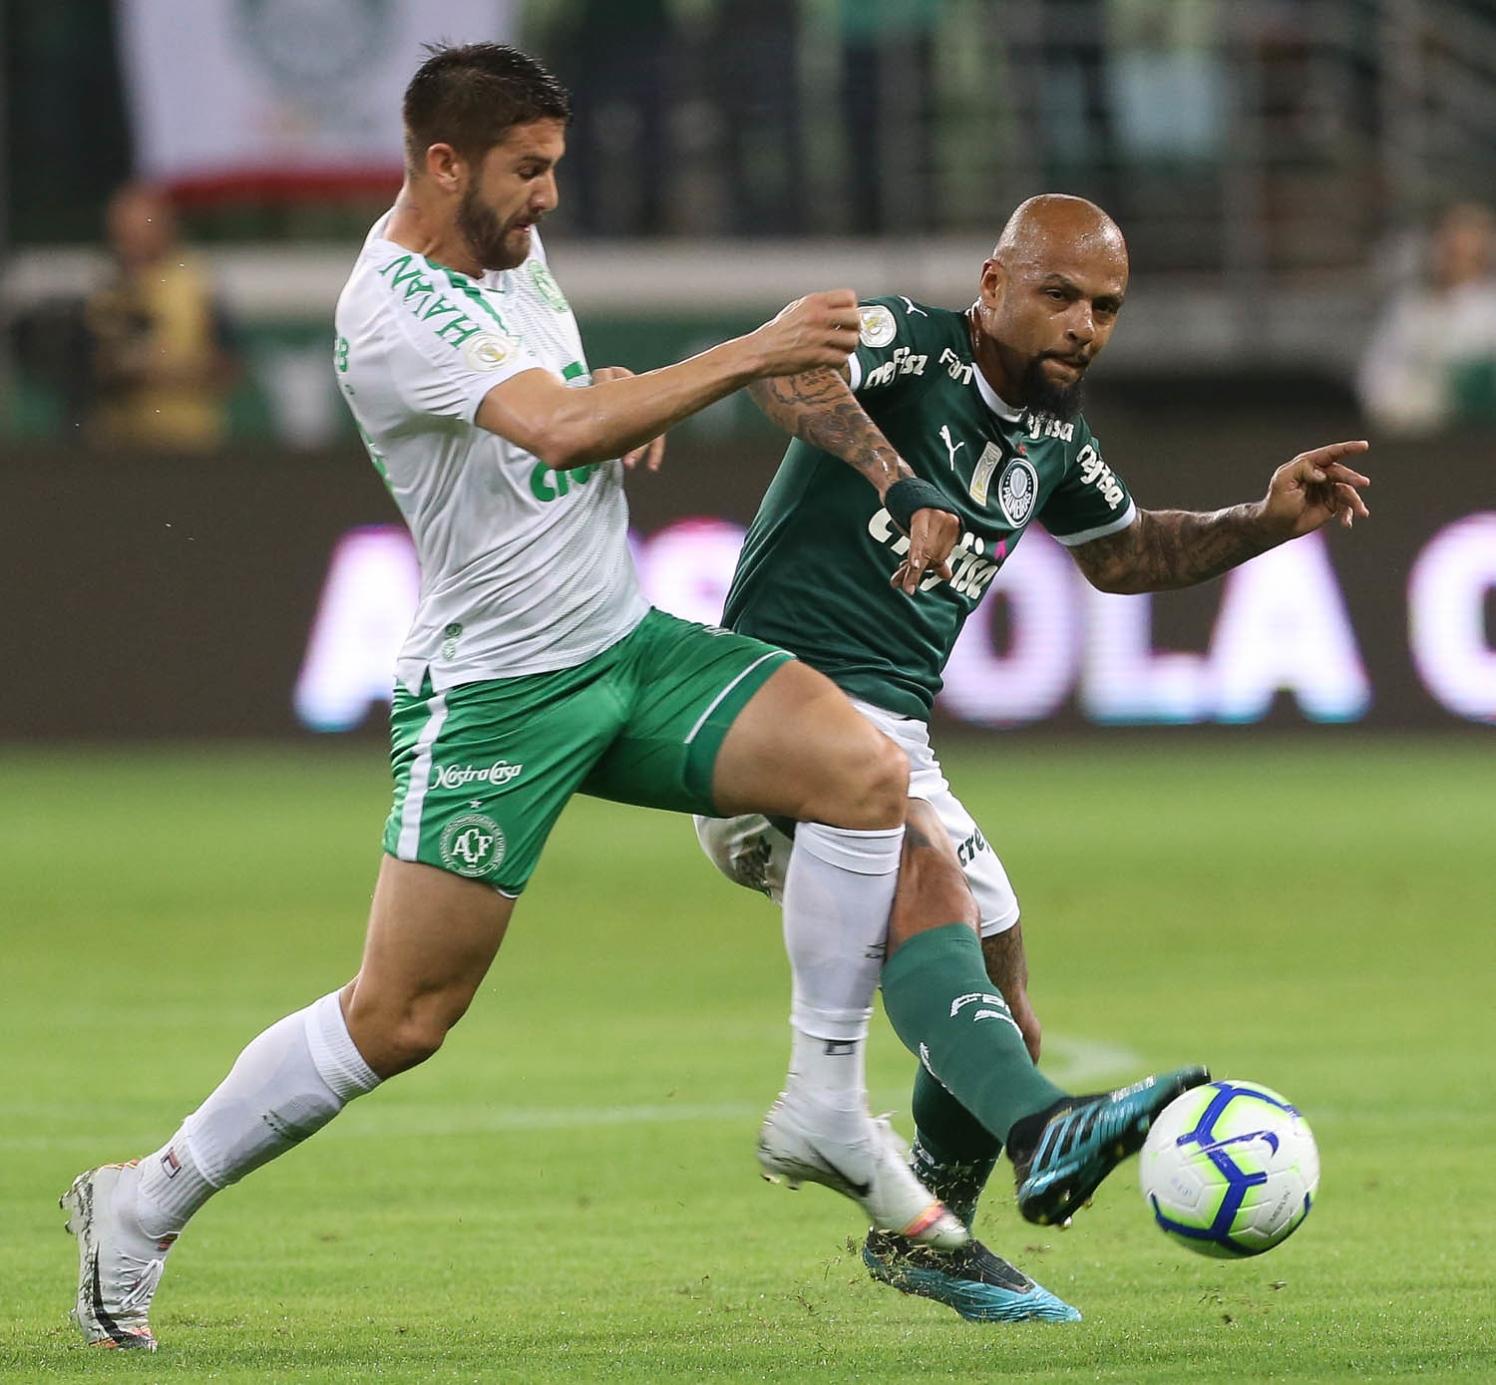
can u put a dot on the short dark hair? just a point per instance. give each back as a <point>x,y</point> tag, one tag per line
<point>470,95</point>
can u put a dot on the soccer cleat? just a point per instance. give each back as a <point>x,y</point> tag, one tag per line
<point>872,1170</point>
<point>980,1286</point>
<point>119,1266</point>
<point>1084,1138</point>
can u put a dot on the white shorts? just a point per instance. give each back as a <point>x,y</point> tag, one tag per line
<point>750,851</point>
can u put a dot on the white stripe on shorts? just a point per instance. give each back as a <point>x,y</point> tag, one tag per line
<point>420,781</point>
<point>717,701</point>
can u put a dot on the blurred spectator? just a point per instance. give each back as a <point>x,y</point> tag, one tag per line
<point>1432,358</point>
<point>159,348</point>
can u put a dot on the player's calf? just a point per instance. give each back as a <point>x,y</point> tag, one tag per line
<point>933,889</point>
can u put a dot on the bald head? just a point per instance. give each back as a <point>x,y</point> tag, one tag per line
<point>1055,223</point>
<point>1051,292</point>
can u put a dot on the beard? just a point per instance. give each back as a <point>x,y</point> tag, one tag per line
<point>485,233</point>
<point>1043,395</point>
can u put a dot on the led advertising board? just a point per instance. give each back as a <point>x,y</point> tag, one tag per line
<point>265,595</point>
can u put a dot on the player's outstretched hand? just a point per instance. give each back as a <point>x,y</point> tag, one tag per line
<point>1314,488</point>
<point>817,330</point>
<point>932,535</point>
<point>652,454</point>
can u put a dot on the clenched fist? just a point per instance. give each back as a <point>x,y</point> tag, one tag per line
<point>817,330</point>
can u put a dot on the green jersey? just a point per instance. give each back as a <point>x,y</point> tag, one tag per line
<point>814,572</point>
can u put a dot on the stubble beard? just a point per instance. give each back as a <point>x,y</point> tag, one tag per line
<point>484,233</point>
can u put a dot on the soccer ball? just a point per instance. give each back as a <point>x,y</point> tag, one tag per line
<point>1229,1169</point>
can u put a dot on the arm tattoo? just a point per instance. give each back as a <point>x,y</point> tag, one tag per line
<point>819,407</point>
<point>1166,549</point>
<point>1007,965</point>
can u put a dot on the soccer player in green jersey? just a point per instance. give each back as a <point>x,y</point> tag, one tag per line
<point>914,473</point>
<point>535,669</point>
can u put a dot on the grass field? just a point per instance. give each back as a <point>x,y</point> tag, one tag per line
<point>568,1190</point>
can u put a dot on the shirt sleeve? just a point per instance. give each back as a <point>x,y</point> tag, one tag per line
<point>444,366</point>
<point>885,340</point>
<point>1091,500</point>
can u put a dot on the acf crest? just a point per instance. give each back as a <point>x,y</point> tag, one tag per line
<point>472,845</point>
<point>547,287</point>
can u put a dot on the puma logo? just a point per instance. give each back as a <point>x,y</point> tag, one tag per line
<point>951,445</point>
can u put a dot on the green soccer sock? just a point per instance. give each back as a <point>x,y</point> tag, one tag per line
<point>947,1012</point>
<point>954,1153</point>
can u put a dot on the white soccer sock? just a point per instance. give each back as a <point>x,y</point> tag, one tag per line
<point>287,1084</point>
<point>838,892</point>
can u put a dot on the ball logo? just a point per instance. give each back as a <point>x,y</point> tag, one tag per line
<point>487,350</point>
<point>473,845</point>
<point>1017,490</point>
<point>876,326</point>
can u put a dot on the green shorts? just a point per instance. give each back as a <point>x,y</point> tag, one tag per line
<point>483,770</point>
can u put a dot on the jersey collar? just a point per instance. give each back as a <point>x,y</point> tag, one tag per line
<point>990,397</point>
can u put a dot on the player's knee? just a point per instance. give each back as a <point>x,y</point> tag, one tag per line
<point>396,1038</point>
<point>412,1041</point>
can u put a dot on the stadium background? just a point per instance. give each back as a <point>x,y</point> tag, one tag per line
<point>1290,769</point>
<point>1275,166</point>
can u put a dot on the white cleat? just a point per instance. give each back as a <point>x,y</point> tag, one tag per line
<point>119,1266</point>
<point>872,1170</point>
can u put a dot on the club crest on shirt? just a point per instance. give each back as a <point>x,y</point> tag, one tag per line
<point>488,350</point>
<point>547,287</point>
<point>876,326</point>
<point>1017,489</point>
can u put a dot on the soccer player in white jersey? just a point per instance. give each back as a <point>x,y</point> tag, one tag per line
<point>534,669</point>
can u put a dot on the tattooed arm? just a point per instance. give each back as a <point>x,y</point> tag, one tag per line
<point>1007,967</point>
<point>1166,549</point>
<point>818,407</point>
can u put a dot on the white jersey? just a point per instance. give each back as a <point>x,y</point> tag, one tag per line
<point>523,569</point>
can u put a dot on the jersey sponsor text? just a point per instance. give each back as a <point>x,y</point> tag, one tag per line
<point>499,773</point>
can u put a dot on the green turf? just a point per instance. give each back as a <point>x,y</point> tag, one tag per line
<point>568,1190</point>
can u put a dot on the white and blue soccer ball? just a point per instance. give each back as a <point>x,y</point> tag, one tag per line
<point>1230,1169</point>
